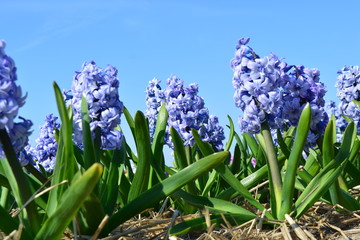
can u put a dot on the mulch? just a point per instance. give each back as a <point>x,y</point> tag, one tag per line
<point>322,221</point>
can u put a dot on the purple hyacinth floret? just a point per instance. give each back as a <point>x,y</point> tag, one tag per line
<point>46,146</point>
<point>268,89</point>
<point>100,88</point>
<point>186,111</point>
<point>333,109</point>
<point>155,97</point>
<point>11,100</point>
<point>348,89</point>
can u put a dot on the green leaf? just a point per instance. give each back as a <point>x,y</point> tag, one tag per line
<point>328,155</point>
<point>130,121</point>
<point>275,182</point>
<point>312,163</point>
<point>159,134</point>
<point>19,183</point>
<point>163,189</point>
<point>231,134</point>
<point>227,175</point>
<point>90,215</point>
<point>199,224</point>
<point>252,143</point>
<point>323,180</point>
<point>328,141</point>
<point>65,164</point>
<point>70,203</point>
<point>89,152</point>
<point>293,162</point>
<point>179,149</point>
<point>7,223</point>
<point>214,204</point>
<point>205,148</point>
<point>111,183</point>
<point>141,177</point>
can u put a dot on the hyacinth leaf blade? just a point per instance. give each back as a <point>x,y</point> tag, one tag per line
<point>293,161</point>
<point>65,164</point>
<point>142,174</point>
<point>165,188</point>
<point>158,142</point>
<point>242,145</point>
<point>328,155</point>
<point>329,173</point>
<point>284,148</point>
<point>205,148</point>
<point>91,213</point>
<point>182,161</point>
<point>333,119</point>
<point>231,134</point>
<point>313,162</point>
<point>89,152</point>
<point>111,190</point>
<point>66,124</point>
<point>215,205</point>
<point>275,182</point>
<point>159,134</point>
<point>179,149</point>
<point>130,121</point>
<point>252,143</point>
<point>70,203</point>
<point>4,182</point>
<point>7,223</point>
<point>235,165</point>
<point>19,183</point>
<point>354,173</point>
<point>200,224</point>
<point>227,175</point>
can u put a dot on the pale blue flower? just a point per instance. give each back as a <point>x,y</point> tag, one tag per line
<point>186,111</point>
<point>268,89</point>
<point>45,149</point>
<point>100,88</point>
<point>348,89</point>
<point>11,100</point>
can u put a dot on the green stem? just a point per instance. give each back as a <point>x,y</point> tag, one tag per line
<point>274,172</point>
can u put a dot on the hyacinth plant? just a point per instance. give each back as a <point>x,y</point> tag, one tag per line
<point>272,93</point>
<point>79,175</point>
<point>283,125</point>
<point>87,178</point>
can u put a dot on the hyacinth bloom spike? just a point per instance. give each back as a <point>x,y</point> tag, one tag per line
<point>186,111</point>
<point>348,89</point>
<point>268,89</point>
<point>11,99</point>
<point>100,88</point>
<point>45,149</point>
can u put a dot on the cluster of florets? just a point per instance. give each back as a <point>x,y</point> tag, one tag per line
<point>100,88</point>
<point>44,152</point>
<point>268,89</point>
<point>186,111</point>
<point>333,109</point>
<point>11,100</point>
<point>348,89</point>
<point>155,97</point>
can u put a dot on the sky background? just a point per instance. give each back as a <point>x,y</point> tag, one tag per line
<point>195,40</point>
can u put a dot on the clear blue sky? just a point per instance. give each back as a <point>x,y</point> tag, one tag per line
<point>195,40</point>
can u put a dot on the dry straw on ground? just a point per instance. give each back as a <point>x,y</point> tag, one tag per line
<point>322,221</point>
